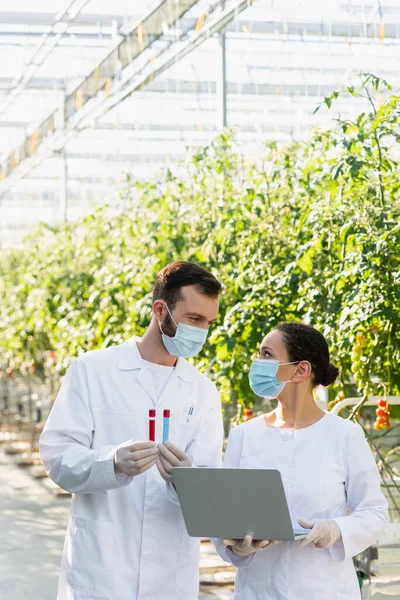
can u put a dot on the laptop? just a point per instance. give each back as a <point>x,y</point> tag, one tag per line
<point>233,503</point>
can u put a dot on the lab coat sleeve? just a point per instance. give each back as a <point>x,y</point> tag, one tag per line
<point>369,508</point>
<point>231,461</point>
<point>65,444</point>
<point>205,448</point>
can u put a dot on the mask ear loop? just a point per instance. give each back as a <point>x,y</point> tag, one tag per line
<point>169,312</point>
<point>296,362</point>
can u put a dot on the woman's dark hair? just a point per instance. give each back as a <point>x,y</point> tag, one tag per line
<point>179,274</point>
<point>306,343</point>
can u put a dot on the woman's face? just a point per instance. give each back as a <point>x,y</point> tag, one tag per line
<point>273,348</point>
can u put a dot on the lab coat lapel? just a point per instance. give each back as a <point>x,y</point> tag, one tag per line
<point>171,389</point>
<point>130,359</point>
<point>145,380</point>
<point>181,375</point>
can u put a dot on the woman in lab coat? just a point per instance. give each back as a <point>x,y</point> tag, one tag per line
<point>327,470</point>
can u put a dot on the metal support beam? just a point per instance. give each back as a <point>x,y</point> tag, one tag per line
<point>222,84</point>
<point>28,157</point>
<point>63,186</point>
<point>309,89</point>
<point>63,165</point>
<point>354,29</point>
<point>166,61</point>
<point>42,51</point>
<point>321,30</point>
<point>39,84</point>
<point>138,38</point>
<point>46,19</point>
<point>25,38</point>
<point>355,32</point>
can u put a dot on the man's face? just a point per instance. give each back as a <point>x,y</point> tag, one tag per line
<point>193,308</point>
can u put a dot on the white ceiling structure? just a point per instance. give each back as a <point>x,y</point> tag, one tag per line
<point>73,124</point>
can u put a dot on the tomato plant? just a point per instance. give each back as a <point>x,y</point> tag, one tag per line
<point>310,231</point>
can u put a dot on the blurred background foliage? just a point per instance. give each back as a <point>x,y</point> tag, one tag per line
<point>311,232</point>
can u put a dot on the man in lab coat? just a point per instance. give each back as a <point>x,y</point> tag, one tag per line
<point>126,537</point>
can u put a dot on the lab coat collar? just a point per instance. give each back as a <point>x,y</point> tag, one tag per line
<point>129,358</point>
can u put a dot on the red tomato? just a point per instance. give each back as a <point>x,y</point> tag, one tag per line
<point>248,414</point>
<point>382,403</point>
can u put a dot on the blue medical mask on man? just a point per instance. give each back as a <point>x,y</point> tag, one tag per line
<point>187,341</point>
<point>263,380</point>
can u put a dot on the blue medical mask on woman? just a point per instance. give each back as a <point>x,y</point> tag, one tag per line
<point>187,341</point>
<point>263,379</point>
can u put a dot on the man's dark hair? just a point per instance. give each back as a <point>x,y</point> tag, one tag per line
<point>172,278</point>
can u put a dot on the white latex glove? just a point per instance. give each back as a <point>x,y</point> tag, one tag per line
<point>247,547</point>
<point>171,456</point>
<point>133,458</point>
<point>324,532</point>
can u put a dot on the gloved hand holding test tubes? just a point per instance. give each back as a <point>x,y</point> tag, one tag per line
<point>152,425</point>
<point>171,456</point>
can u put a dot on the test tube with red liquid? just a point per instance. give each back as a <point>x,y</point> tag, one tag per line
<point>152,425</point>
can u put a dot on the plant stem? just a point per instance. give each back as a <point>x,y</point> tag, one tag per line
<point>381,186</point>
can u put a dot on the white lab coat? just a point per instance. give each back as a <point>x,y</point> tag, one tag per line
<point>126,538</point>
<point>326,469</point>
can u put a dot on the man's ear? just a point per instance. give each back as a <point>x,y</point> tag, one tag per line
<point>303,371</point>
<point>159,309</point>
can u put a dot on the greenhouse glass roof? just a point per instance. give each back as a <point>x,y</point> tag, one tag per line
<point>91,90</point>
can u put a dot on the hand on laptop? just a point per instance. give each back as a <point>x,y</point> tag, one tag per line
<point>171,456</point>
<point>247,546</point>
<point>324,532</point>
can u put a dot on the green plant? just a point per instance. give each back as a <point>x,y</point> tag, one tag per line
<point>309,232</point>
